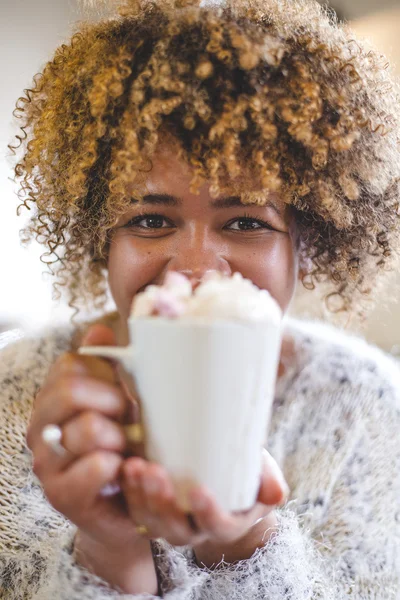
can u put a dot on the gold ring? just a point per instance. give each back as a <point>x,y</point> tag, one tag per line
<point>134,433</point>
<point>142,530</point>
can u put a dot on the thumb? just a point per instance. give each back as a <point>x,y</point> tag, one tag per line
<point>99,335</point>
<point>273,487</point>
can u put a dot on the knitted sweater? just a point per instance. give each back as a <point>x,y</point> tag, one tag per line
<point>334,432</point>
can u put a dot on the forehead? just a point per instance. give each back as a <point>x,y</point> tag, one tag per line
<point>168,169</point>
<point>170,174</point>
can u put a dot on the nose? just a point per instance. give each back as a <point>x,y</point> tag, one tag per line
<point>195,279</point>
<point>195,263</point>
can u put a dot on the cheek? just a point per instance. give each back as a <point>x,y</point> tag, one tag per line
<point>285,276</point>
<point>275,269</point>
<point>129,269</point>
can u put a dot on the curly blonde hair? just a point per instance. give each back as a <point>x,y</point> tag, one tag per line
<point>275,87</point>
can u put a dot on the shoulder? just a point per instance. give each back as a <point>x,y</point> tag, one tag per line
<point>339,370</point>
<point>25,359</point>
<point>332,358</point>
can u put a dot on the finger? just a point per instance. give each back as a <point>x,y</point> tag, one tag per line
<point>273,489</point>
<point>153,503</point>
<point>92,431</point>
<point>133,491</point>
<point>88,432</point>
<point>99,335</point>
<point>79,364</point>
<point>102,335</point>
<point>131,473</point>
<point>47,461</point>
<point>71,363</point>
<point>210,518</point>
<point>75,490</point>
<point>162,502</point>
<point>72,395</point>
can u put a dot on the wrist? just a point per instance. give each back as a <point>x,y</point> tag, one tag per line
<point>129,568</point>
<point>209,554</point>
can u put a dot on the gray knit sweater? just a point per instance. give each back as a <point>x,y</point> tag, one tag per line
<point>335,433</point>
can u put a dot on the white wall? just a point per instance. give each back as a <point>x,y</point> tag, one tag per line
<point>383,30</point>
<point>352,9</point>
<point>29,32</point>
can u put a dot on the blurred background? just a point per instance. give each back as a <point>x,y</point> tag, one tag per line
<point>29,32</point>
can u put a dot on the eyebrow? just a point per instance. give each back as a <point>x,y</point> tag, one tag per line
<point>226,202</point>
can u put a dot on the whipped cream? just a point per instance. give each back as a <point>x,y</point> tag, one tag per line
<point>217,297</point>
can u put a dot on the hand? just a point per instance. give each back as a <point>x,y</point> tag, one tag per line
<point>152,502</point>
<point>273,490</point>
<point>83,397</point>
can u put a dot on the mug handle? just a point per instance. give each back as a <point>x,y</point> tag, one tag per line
<point>125,355</point>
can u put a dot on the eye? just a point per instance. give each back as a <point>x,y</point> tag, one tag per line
<point>149,221</point>
<point>247,223</point>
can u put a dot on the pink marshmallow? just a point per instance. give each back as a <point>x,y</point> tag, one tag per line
<point>174,279</point>
<point>165,304</point>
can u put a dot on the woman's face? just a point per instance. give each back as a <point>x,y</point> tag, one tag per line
<point>175,230</point>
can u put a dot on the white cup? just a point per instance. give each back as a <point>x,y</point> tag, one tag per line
<point>206,390</point>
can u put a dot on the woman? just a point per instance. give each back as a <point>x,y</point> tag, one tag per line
<point>255,138</point>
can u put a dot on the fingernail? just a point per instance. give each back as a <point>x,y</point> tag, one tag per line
<point>280,478</point>
<point>132,478</point>
<point>86,339</point>
<point>284,487</point>
<point>283,483</point>
<point>286,492</point>
<point>151,485</point>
